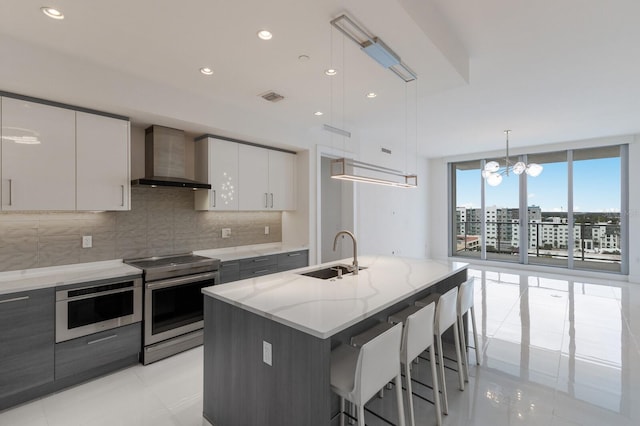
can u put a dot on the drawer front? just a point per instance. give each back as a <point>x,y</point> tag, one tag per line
<point>229,271</point>
<point>258,262</point>
<point>293,260</point>
<point>88,352</point>
<point>258,270</point>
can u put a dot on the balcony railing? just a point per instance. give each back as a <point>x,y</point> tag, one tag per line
<point>596,246</point>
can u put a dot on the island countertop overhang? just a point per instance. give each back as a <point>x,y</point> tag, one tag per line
<point>323,308</point>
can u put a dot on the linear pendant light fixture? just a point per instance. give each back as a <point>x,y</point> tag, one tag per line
<point>493,173</point>
<point>357,171</point>
<point>374,47</point>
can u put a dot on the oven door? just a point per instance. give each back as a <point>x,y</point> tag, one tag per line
<point>175,306</point>
<point>87,310</point>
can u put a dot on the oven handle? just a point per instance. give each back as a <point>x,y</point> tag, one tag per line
<point>61,295</point>
<point>181,281</point>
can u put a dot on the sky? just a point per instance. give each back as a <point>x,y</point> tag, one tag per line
<point>596,187</point>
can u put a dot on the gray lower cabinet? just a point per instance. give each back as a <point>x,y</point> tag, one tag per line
<point>293,260</point>
<point>229,271</point>
<point>234,270</point>
<point>258,266</point>
<point>27,338</point>
<point>92,354</point>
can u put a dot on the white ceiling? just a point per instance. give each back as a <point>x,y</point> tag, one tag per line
<point>551,70</point>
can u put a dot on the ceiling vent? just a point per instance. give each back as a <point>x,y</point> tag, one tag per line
<point>272,97</point>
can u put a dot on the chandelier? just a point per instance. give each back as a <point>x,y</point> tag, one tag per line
<point>493,173</point>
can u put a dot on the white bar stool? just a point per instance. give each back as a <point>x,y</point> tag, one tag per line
<point>465,304</point>
<point>445,317</point>
<point>357,375</point>
<point>418,336</point>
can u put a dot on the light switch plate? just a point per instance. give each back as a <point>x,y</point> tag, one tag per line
<point>87,241</point>
<point>266,353</point>
<point>266,230</point>
<point>226,232</point>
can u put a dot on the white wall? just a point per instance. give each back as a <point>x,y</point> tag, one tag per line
<point>438,196</point>
<point>393,221</point>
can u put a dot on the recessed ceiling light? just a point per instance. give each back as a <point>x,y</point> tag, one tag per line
<point>52,12</point>
<point>304,58</point>
<point>318,113</point>
<point>264,35</point>
<point>371,95</point>
<point>206,71</point>
<point>331,72</point>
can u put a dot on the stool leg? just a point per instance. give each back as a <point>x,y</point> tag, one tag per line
<point>475,334</point>
<point>407,373</point>
<point>456,337</point>
<point>341,411</point>
<point>361,415</point>
<point>399,399</point>
<point>463,346</point>
<point>445,409</point>
<point>436,392</point>
<point>352,412</point>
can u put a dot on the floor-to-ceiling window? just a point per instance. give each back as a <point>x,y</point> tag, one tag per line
<point>467,220</point>
<point>596,208</point>
<point>568,216</point>
<point>547,215</point>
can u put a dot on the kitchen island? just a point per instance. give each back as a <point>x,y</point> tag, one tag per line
<point>268,340</point>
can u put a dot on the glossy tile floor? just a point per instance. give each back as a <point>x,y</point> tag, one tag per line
<point>554,351</point>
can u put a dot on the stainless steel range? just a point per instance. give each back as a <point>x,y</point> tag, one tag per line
<point>173,302</point>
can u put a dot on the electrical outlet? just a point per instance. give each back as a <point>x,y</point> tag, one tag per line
<point>267,353</point>
<point>87,241</point>
<point>266,230</point>
<point>226,232</point>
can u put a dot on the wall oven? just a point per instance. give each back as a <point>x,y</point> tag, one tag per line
<point>84,309</point>
<point>173,302</point>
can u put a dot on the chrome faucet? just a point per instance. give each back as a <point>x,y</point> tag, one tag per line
<point>355,249</point>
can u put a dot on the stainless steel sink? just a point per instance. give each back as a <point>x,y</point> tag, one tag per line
<point>330,272</point>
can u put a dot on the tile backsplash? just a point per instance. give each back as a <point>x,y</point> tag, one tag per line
<point>161,221</point>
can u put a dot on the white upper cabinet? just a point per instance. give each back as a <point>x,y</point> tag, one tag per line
<point>254,178</point>
<point>282,180</point>
<point>54,158</point>
<point>267,179</point>
<point>38,156</point>
<point>217,164</point>
<point>102,152</point>
<point>244,177</point>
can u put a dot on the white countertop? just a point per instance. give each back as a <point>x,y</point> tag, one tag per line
<point>33,279</point>
<point>244,252</point>
<point>323,308</point>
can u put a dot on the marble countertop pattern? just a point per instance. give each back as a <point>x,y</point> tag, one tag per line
<point>323,308</point>
<point>33,279</point>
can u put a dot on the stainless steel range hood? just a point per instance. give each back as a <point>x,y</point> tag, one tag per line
<point>165,160</point>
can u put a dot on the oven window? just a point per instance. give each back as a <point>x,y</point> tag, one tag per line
<point>100,308</point>
<point>177,306</point>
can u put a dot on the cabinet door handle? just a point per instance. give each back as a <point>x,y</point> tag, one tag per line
<point>10,192</point>
<point>262,259</point>
<point>261,271</point>
<point>266,200</point>
<point>92,342</point>
<point>214,198</point>
<point>272,200</point>
<point>15,299</point>
<point>121,195</point>
<point>293,254</point>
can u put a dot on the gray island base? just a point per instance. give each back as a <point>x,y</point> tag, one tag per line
<point>302,319</point>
